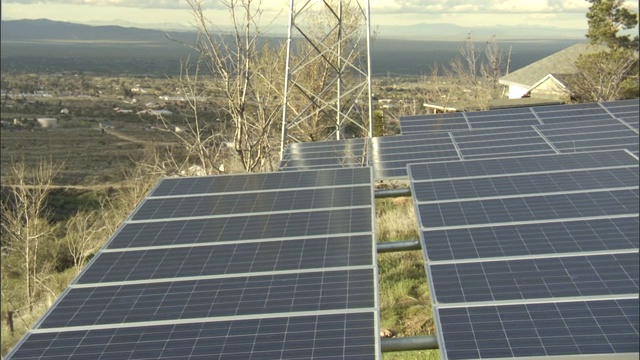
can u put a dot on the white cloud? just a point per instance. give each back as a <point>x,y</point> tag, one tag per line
<point>483,6</point>
<point>158,4</point>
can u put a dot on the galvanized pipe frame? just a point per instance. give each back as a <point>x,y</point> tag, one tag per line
<point>409,343</point>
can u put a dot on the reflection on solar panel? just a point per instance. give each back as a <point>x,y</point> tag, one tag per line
<point>326,154</point>
<point>532,256</point>
<point>275,265</point>
<point>495,133</point>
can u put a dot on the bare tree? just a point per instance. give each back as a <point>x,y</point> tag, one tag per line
<point>25,222</point>
<point>200,141</point>
<point>244,83</point>
<point>477,72</point>
<point>86,232</point>
<point>493,68</point>
<point>605,76</point>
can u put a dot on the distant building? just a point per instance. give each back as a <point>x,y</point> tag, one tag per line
<point>122,111</point>
<point>546,78</point>
<point>47,123</point>
<point>139,90</point>
<point>155,112</point>
<point>181,98</point>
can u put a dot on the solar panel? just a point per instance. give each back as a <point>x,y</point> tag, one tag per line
<point>570,236</point>
<point>276,265</point>
<point>256,182</point>
<point>522,164</point>
<point>229,258</point>
<point>568,129</point>
<point>286,337</point>
<point>598,328</point>
<point>326,154</point>
<point>436,122</point>
<point>624,111</point>
<point>551,182</point>
<point>536,278</point>
<point>521,251</point>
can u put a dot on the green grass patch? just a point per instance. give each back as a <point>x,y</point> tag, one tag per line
<point>405,305</point>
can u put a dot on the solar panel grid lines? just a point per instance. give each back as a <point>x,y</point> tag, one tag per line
<point>588,134</point>
<point>552,331</point>
<point>272,202</point>
<point>243,228</point>
<point>307,269</point>
<point>574,275</point>
<point>546,140</point>
<point>624,112</point>
<point>537,182</point>
<point>256,182</point>
<point>228,259</point>
<point>529,209</point>
<point>466,119</point>
<point>522,164</point>
<point>258,295</point>
<point>338,336</point>
<point>506,238</point>
<point>510,240</point>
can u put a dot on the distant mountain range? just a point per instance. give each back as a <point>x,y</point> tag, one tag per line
<point>43,30</point>
<point>48,30</point>
<point>451,32</point>
<point>50,46</point>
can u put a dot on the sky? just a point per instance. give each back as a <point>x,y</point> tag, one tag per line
<point>569,14</point>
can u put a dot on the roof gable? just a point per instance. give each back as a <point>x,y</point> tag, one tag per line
<point>561,62</point>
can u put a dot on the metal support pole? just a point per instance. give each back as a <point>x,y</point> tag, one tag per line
<point>387,193</point>
<point>396,246</point>
<point>409,343</point>
<point>339,46</point>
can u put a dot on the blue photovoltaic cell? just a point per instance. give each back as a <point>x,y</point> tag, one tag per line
<point>527,209</point>
<point>573,115</point>
<point>425,128</point>
<point>339,336</point>
<point>227,259</point>
<point>210,298</point>
<point>247,203</point>
<point>532,256</point>
<point>506,185</point>
<point>523,164</point>
<point>273,265</point>
<point>254,182</point>
<point>532,239</point>
<point>243,228</point>
<point>548,329</point>
<point>553,277</point>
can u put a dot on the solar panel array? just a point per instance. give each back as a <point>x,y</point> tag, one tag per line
<point>532,256</point>
<point>531,245</point>
<point>273,265</point>
<point>488,134</point>
<point>624,111</point>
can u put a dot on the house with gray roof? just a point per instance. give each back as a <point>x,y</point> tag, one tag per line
<point>546,78</point>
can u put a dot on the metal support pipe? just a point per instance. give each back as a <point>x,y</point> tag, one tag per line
<point>409,343</point>
<point>395,246</point>
<point>387,193</point>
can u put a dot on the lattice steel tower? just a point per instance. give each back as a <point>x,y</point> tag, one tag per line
<point>327,93</point>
